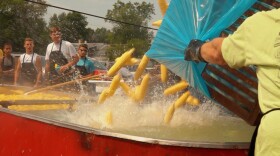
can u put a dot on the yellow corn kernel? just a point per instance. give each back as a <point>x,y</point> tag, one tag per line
<point>175,88</point>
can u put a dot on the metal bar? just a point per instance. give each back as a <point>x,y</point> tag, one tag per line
<point>36,102</point>
<point>241,87</point>
<point>241,76</point>
<point>228,92</point>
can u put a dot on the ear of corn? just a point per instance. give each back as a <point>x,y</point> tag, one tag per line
<point>189,99</point>
<point>144,86</point>
<point>109,118</point>
<point>169,114</point>
<point>192,101</point>
<point>157,23</point>
<point>175,88</point>
<point>182,99</point>
<point>126,88</point>
<point>120,63</point>
<point>132,61</point>
<point>163,73</point>
<point>115,82</point>
<point>141,90</point>
<point>141,67</point>
<point>136,95</point>
<point>103,96</point>
<point>129,62</point>
<point>163,5</point>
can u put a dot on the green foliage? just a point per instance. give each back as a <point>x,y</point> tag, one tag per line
<point>90,35</point>
<point>115,50</point>
<point>102,35</point>
<point>129,35</point>
<point>141,46</point>
<point>19,20</point>
<point>73,26</point>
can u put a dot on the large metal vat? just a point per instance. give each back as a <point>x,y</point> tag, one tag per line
<point>23,134</point>
<point>44,132</point>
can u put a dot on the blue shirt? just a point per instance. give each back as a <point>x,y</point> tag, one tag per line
<point>89,65</point>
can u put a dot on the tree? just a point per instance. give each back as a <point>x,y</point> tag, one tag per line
<point>129,36</point>
<point>73,26</point>
<point>102,35</point>
<point>21,19</point>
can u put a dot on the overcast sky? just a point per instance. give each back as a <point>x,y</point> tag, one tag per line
<point>95,7</point>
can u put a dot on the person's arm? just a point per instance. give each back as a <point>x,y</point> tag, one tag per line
<point>88,75</point>
<point>71,63</point>
<point>74,57</point>
<point>47,70</point>
<point>17,71</point>
<point>1,70</point>
<point>47,64</point>
<point>38,65</point>
<point>209,52</point>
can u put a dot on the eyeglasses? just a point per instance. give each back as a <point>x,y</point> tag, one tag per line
<point>83,50</point>
<point>57,33</point>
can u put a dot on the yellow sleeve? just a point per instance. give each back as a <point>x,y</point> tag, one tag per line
<point>234,48</point>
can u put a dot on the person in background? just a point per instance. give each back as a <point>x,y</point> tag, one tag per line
<point>7,65</point>
<point>85,67</point>
<point>29,67</point>
<point>251,44</point>
<point>60,57</point>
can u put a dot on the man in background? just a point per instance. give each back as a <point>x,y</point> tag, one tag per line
<point>60,57</point>
<point>7,65</point>
<point>29,67</point>
<point>85,67</point>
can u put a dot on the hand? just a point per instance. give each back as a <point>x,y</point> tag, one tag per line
<point>63,68</point>
<point>36,85</point>
<point>192,52</point>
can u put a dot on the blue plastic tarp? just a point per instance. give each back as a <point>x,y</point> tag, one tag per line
<point>192,19</point>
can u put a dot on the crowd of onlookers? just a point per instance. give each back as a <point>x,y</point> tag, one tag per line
<point>62,63</point>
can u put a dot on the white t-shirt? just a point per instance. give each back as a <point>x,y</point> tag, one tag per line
<point>28,58</point>
<point>67,49</point>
